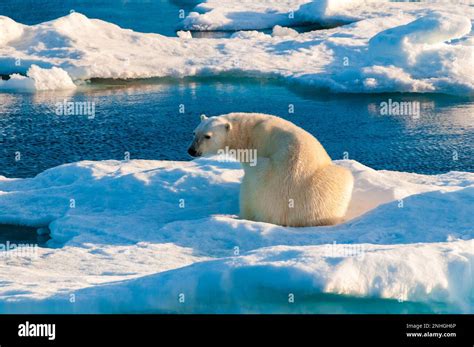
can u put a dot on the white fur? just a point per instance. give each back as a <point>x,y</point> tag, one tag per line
<point>294,182</point>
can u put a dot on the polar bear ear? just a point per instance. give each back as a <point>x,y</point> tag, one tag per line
<point>228,126</point>
<point>203,117</point>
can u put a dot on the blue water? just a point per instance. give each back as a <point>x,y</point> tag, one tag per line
<point>143,118</point>
<point>153,16</point>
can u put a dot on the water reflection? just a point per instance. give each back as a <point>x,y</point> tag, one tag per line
<point>455,119</point>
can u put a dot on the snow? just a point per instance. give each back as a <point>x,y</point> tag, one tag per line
<point>11,30</point>
<point>249,34</point>
<point>264,14</point>
<point>418,37</point>
<point>142,236</point>
<point>283,31</point>
<point>331,11</point>
<point>184,34</point>
<point>17,82</point>
<point>241,15</point>
<point>432,47</point>
<point>39,79</point>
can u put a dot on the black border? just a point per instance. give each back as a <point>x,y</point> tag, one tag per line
<point>169,330</point>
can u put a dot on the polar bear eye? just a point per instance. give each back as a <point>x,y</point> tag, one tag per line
<point>207,137</point>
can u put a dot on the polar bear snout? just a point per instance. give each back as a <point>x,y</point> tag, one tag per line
<point>193,148</point>
<point>193,153</point>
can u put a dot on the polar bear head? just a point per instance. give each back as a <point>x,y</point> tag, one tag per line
<point>210,136</point>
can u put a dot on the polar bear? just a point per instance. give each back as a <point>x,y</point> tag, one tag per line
<point>293,181</point>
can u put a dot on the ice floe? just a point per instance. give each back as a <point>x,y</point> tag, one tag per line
<point>39,79</point>
<point>157,236</point>
<point>389,47</point>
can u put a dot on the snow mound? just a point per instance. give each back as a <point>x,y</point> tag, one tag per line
<point>249,34</point>
<point>426,33</point>
<point>11,30</point>
<point>39,79</point>
<point>184,34</point>
<point>330,11</point>
<point>283,31</point>
<point>154,232</point>
<point>17,82</point>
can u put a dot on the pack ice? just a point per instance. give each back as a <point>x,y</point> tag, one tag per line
<point>366,46</point>
<point>158,236</point>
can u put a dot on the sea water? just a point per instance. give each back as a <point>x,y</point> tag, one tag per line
<point>155,120</point>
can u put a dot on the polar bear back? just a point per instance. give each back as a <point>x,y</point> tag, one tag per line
<point>274,137</point>
<point>294,182</point>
